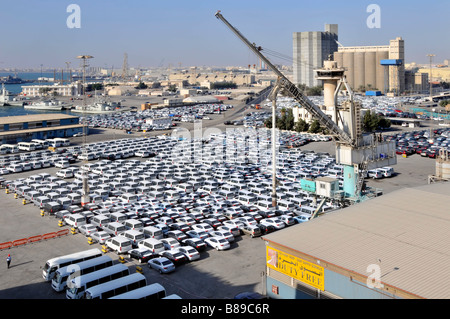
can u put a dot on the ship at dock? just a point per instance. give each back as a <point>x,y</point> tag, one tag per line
<point>50,105</point>
<point>9,99</point>
<point>98,108</point>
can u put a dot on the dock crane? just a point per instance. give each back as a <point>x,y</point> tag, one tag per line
<point>357,153</point>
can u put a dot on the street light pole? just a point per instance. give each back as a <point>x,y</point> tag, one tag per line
<point>85,196</point>
<point>431,75</point>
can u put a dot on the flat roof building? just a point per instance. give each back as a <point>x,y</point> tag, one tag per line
<point>24,128</point>
<point>73,89</point>
<point>390,247</point>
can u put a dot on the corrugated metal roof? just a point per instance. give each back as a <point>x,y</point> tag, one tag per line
<point>405,232</point>
<point>41,129</point>
<point>34,118</point>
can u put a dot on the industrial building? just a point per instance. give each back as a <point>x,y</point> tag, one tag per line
<point>310,50</point>
<point>24,128</point>
<point>416,82</point>
<point>194,78</point>
<point>390,247</point>
<point>364,70</point>
<point>437,74</point>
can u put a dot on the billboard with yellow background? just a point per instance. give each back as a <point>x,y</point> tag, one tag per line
<point>295,267</point>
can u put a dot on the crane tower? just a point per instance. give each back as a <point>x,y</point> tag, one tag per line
<point>354,150</point>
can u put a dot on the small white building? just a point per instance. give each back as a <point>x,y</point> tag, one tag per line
<point>161,121</point>
<point>173,102</point>
<point>326,186</point>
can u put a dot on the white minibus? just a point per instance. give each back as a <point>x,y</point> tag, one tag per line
<point>26,146</point>
<point>153,291</point>
<point>59,282</point>
<point>116,287</point>
<point>76,287</point>
<point>62,141</point>
<point>52,265</point>
<point>10,148</point>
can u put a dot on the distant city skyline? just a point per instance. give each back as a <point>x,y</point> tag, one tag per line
<point>186,33</point>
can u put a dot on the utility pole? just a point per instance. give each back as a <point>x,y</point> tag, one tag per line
<point>431,75</point>
<point>69,73</point>
<point>85,197</point>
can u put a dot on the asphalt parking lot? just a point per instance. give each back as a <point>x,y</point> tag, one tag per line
<point>217,275</point>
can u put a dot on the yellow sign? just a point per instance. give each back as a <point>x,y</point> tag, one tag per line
<point>297,268</point>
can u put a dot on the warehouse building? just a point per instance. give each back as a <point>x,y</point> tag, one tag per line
<point>390,247</point>
<point>24,128</point>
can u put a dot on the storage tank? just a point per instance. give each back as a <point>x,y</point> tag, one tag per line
<point>338,57</point>
<point>359,72</point>
<point>371,70</point>
<point>348,63</point>
<point>381,55</point>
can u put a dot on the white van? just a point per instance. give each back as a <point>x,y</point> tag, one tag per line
<point>75,220</point>
<point>154,245</point>
<point>307,210</point>
<point>285,205</point>
<point>132,224</point>
<point>208,189</point>
<point>114,228</point>
<point>119,244</point>
<point>134,235</point>
<point>64,201</point>
<point>264,205</point>
<point>229,188</point>
<point>100,221</point>
<point>117,217</point>
<point>152,232</point>
<point>386,171</point>
<point>247,200</point>
<point>75,198</point>
<point>129,197</point>
<point>41,200</point>
<point>185,187</point>
<point>226,194</point>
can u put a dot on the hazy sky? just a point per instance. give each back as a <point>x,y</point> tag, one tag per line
<point>35,32</point>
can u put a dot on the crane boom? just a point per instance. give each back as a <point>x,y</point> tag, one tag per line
<point>284,82</point>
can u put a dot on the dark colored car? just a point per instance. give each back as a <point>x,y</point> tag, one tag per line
<point>177,234</point>
<point>265,229</point>
<point>141,255</point>
<point>196,243</point>
<point>179,226</point>
<point>174,256</point>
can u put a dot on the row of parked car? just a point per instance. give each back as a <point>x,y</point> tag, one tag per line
<point>177,199</point>
<point>136,121</point>
<point>426,143</point>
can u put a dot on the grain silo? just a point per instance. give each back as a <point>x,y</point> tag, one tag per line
<point>359,73</point>
<point>380,72</point>
<point>348,64</point>
<point>370,70</point>
<point>362,64</point>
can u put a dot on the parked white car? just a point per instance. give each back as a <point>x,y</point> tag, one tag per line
<point>218,243</point>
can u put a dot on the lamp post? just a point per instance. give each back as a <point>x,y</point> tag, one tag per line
<point>431,75</point>
<point>85,196</point>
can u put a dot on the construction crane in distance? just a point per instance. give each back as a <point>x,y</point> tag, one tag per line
<point>357,153</point>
